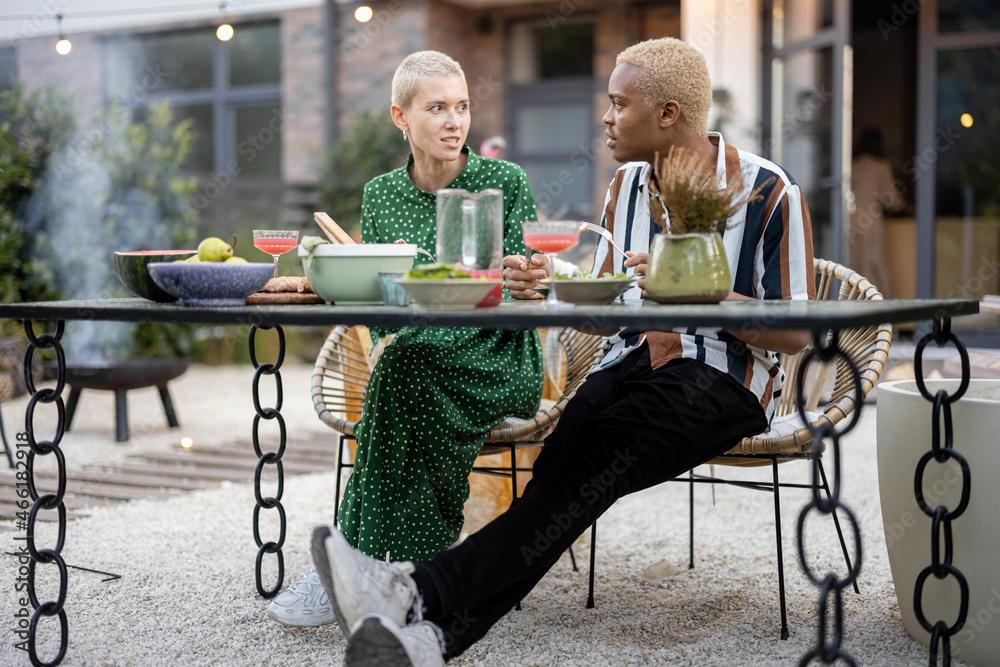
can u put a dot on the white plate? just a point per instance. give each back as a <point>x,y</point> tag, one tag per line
<point>449,293</point>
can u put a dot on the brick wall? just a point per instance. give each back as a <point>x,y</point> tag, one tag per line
<point>303,92</point>
<point>78,72</point>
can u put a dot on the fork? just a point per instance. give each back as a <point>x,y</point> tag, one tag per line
<point>597,229</point>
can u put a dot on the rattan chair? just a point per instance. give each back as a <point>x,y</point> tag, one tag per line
<point>868,348</point>
<point>340,380</point>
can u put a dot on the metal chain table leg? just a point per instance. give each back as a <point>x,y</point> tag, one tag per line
<point>269,458</point>
<point>828,649</point>
<point>48,502</point>
<point>941,517</point>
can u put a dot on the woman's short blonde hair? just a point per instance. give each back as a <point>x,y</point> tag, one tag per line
<point>416,66</point>
<point>673,70</point>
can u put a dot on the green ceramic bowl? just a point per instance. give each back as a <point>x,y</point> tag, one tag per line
<point>132,269</point>
<point>347,274</point>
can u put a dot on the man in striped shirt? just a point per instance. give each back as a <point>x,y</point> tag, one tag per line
<point>658,404</point>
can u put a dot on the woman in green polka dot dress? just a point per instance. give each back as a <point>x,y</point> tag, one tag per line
<point>434,393</point>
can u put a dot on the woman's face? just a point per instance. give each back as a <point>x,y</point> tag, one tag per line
<point>437,120</point>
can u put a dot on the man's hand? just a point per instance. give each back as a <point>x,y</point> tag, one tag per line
<point>521,280</point>
<point>640,260</point>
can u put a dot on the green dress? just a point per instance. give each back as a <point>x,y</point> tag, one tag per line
<point>435,393</point>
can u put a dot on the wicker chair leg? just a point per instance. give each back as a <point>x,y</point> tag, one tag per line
<point>777,534</point>
<point>836,522</point>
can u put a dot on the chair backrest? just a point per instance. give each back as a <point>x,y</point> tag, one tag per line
<point>340,379</point>
<point>868,348</point>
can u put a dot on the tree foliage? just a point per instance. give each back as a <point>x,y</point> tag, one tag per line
<point>370,147</point>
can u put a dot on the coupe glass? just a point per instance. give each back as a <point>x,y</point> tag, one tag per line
<point>275,242</point>
<point>551,237</point>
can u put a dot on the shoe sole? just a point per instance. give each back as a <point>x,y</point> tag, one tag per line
<point>300,622</point>
<point>375,645</point>
<point>322,561</point>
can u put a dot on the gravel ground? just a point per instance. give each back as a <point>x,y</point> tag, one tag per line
<point>186,593</point>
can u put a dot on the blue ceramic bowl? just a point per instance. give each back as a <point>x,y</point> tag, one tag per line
<point>211,283</point>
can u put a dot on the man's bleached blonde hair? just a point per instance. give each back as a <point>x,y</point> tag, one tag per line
<point>416,66</point>
<point>673,70</point>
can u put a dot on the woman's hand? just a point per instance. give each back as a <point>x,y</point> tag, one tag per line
<point>640,260</point>
<point>521,280</point>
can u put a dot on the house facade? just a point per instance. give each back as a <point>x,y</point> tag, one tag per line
<point>795,80</point>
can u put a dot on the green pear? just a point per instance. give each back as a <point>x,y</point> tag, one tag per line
<point>193,259</point>
<point>214,249</point>
<point>236,260</point>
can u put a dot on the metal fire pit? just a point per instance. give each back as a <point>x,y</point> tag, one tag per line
<point>119,377</point>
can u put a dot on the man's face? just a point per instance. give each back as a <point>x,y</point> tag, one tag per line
<point>632,122</point>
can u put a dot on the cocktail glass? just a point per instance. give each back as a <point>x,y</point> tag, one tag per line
<point>275,242</point>
<point>551,237</point>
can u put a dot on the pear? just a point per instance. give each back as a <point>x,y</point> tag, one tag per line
<point>193,259</point>
<point>214,249</point>
<point>236,260</point>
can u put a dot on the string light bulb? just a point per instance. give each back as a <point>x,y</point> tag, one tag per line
<point>63,46</point>
<point>225,31</point>
<point>363,14</point>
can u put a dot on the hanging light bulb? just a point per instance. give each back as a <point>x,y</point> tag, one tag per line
<point>363,14</point>
<point>63,46</point>
<point>225,31</point>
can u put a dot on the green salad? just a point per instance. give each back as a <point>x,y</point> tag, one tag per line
<point>435,272</point>
<point>607,275</point>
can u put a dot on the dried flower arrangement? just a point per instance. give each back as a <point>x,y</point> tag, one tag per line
<point>690,190</point>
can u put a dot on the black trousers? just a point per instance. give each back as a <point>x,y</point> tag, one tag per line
<point>628,428</point>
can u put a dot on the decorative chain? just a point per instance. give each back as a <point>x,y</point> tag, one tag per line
<point>50,501</point>
<point>269,458</point>
<point>828,649</point>
<point>941,517</point>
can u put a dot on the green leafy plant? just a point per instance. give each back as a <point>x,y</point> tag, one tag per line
<point>370,147</point>
<point>692,194</point>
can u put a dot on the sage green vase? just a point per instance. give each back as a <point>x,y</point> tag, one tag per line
<point>687,268</point>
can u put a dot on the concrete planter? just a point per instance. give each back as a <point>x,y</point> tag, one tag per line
<point>904,436</point>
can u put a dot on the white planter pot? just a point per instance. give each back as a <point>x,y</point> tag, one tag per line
<point>904,436</point>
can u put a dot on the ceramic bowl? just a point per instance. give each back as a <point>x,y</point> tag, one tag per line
<point>347,274</point>
<point>592,292</point>
<point>211,283</point>
<point>450,293</point>
<point>132,270</point>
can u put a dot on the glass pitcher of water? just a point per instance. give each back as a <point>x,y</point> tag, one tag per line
<point>470,230</point>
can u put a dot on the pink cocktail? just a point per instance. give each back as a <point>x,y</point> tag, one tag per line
<point>551,237</point>
<point>551,243</point>
<point>275,242</point>
<point>275,247</point>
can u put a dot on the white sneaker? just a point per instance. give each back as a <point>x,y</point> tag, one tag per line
<point>359,585</point>
<point>304,604</point>
<point>378,642</point>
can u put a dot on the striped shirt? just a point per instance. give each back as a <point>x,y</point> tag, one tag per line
<point>769,246</point>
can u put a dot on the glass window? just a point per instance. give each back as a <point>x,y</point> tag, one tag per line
<point>968,15</point>
<point>549,128</point>
<point>257,141</point>
<point>795,20</point>
<point>8,67</point>
<point>803,116</point>
<point>255,55</point>
<point>182,59</point>
<point>542,51</point>
<point>967,226</point>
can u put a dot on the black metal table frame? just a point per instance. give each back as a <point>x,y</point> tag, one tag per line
<point>824,319</point>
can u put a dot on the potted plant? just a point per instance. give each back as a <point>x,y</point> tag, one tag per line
<point>687,262</point>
